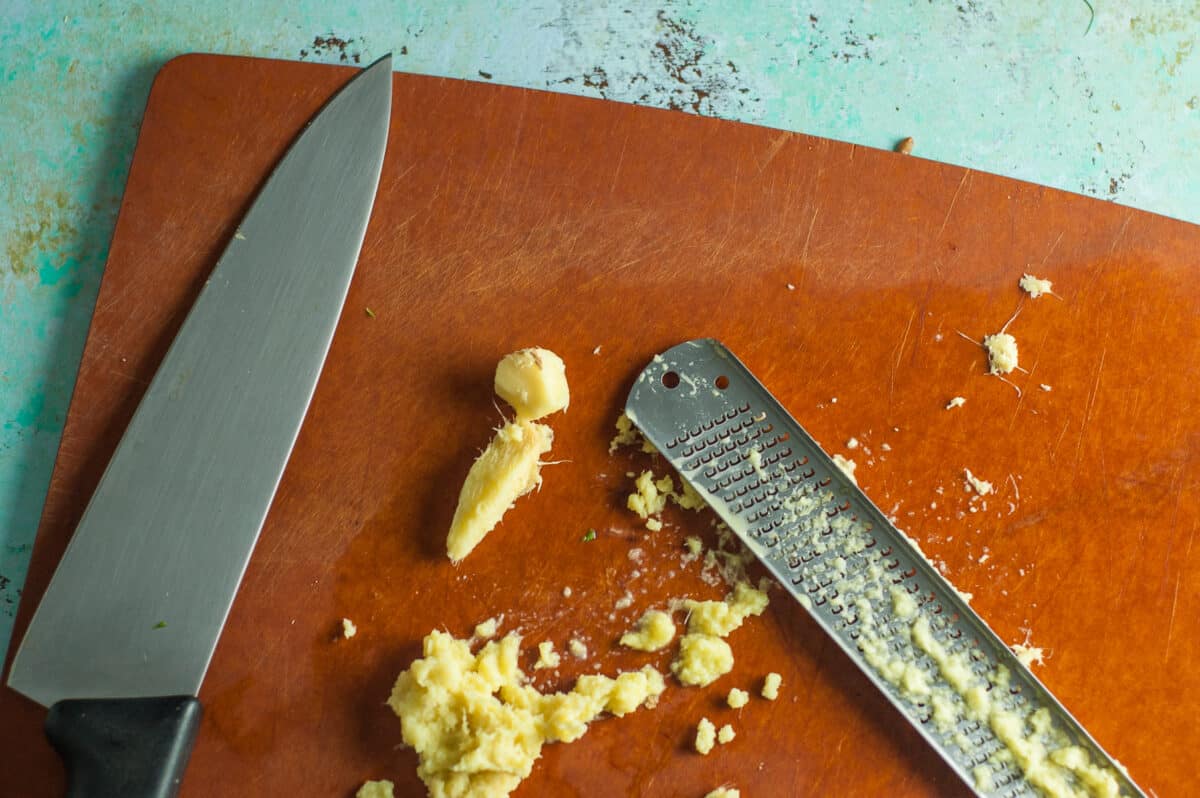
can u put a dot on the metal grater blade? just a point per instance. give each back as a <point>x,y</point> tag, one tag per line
<point>865,582</point>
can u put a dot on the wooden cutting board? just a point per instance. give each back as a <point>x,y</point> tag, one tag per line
<point>842,276</point>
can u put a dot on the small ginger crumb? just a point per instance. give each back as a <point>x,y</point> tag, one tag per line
<point>702,659</point>
<point>547,656</point>
<point>349,630</point>
<point>852,443</point>
<point>567,592</point>
<point>1034,286</point>
<point>487,629</point>
<point>957,401</point>
<point>737,698</point>
<point>1045,387</point>
<point>1029,655</point>
<point>725,792</point>
<point>981,486</point>
<point>628,435</point>
<point>1002,353</point>
<point>706,736</point>
<point>983,778</point>
<point>651,495</point>
<point>376,789</point>
<point>726,734</point>
<point>847,466</point>
<point>690,499</point>
<point>654,631</point>
<point>577,648</point>
<point>770,690</point>
<point>654,524</point>
<point>703,655</point>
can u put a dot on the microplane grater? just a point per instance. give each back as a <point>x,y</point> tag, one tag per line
<point>833,550</point>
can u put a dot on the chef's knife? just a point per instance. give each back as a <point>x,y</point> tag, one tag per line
<point>122,638</point>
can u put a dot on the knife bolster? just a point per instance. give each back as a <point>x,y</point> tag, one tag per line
<point>137,747</point>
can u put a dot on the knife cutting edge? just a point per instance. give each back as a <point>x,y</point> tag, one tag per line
<point>119,645</point>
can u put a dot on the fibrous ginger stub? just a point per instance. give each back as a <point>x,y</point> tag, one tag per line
<point>509,468</point>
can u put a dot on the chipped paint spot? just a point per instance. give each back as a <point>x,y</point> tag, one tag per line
<point>328,46</point>
<point>41,232</point>
<point>676,68</point>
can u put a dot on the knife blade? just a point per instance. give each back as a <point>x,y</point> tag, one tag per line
<point>121,640</point>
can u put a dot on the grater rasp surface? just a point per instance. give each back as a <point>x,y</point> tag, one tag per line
<point>864,581</point>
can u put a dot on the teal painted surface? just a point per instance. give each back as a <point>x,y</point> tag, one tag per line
<point>1023,89</point>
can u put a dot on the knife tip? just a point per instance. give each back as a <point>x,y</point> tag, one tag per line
<point>383,63</point>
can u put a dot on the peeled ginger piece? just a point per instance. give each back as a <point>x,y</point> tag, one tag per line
<point>509,468</point>
<point>534,382</point>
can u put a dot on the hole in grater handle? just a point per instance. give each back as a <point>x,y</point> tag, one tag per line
<point>864,582</point>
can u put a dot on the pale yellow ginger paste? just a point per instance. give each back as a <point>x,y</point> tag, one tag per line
<point>706,736</point>
<point>722,617</point>
<point>704,656</point>
<point>628,435</point>
<point>654,631</point>
<point>847,466</point>
<point>689,499</point>
<point>1002,353</point>
<point>702,660</point>
<point>651,495</point>
<point>376,789</point>
<point>478,726</point>
<point>737,698</point>
<point>547,656</point>
<point>1035,286</point>
<point>980,486</point>
<point>1028,655</point>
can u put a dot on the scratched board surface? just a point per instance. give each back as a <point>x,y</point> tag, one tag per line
<point>841,276</point>
<point>1055,96</point>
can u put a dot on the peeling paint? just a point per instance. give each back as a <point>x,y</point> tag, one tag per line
<point>330,46</point>
<point>671,66</point>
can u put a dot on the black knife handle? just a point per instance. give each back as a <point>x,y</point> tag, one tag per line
<point>124,747</point>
